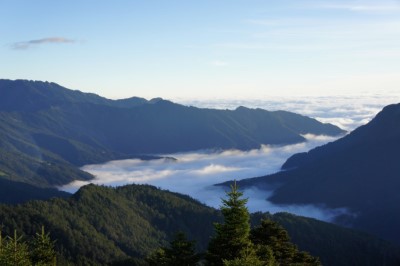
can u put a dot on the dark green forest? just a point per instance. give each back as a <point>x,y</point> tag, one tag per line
<point>102,225</point>
<point>234,243</point>
<point>38,250</point>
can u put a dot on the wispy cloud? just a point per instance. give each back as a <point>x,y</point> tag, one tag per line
<point>28,44</point>
<point>280,21</point>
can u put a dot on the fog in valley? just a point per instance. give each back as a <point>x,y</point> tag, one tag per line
<point>195,173</point>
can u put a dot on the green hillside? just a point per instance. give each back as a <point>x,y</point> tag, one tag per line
<point>100,225</point>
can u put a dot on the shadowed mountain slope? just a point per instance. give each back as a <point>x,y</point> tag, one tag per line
<point>18,192</point>
<point>48,130</point>
<point>360,171</point>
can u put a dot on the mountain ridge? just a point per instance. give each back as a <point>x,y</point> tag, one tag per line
<point>44,125</point>
<point>50,93</point>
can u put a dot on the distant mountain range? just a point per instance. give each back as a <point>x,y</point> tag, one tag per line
<point>360,171</point>
<point>47,131</point>
<point>106,226</point>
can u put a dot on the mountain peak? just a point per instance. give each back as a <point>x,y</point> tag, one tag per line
<point>156,100</point>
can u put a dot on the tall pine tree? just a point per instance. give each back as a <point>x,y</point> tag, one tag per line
<point>231,240</point>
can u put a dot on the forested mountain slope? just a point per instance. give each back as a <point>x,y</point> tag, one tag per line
<point>100,225</point>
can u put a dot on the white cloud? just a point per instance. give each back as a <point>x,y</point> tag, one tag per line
<point>258,202</point>
<point>195,173</point>
<point>28,44</point>
<point>215,169</point>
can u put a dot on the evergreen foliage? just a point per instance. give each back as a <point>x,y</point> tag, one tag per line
<point>38,252</point>
<point>271,237</point>
<point>121,226</point>
<point>247,257</point>
<point>181,252</point>
<point>102,225</point>
<point>232,236</point>
<point>43,252</point>
<point>13,251</point>
<point>267,244</point>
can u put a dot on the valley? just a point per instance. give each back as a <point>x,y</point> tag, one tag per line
<point>62,140</point>
<point>200,133</point>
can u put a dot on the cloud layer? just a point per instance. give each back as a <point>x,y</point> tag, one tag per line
<point>195,173</point>
<point>28,44</point>
<point>348,112</point>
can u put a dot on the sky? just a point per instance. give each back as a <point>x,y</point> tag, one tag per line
<point>204,48</point>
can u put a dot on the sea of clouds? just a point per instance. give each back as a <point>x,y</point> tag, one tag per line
<point>195,173</point>
<point>345,111</point>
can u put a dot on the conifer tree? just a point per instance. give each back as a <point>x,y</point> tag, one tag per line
<point>13,251</point>
<point>231,239</point>
<point>247,257</point>
<point>43,249</point>
<point>158,258</point>
<point>273,244</point>
<point>181,252</point>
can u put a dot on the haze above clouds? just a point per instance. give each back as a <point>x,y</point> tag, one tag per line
<point>345,111</point>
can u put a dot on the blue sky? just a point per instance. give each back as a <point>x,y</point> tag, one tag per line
<point>204,48</point>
